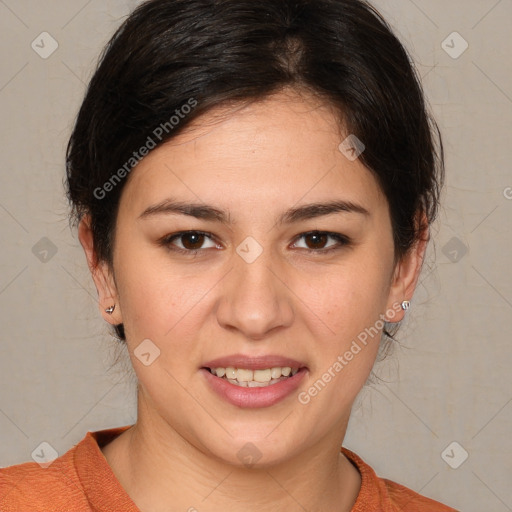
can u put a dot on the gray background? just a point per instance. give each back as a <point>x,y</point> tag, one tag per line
<point>449,380</point>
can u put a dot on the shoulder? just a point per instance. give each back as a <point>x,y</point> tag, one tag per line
<point>406,499</point>
<point>387,496</point>
<point>31,486</point>
<point>80,480</point>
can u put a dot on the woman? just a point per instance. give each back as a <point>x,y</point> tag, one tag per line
<point>253,184</point>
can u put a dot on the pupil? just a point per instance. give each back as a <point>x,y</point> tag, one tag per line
<point>196,241</point>
<point>318,239</point>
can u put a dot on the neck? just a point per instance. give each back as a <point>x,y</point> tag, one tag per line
<point>159,469</point>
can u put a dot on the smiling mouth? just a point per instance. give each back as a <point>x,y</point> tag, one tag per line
<point>254,378</point>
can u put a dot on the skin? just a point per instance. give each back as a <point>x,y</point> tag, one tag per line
<point>254,162</point>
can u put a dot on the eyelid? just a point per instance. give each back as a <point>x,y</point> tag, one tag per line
<point>342,241</point>
<point>167,241</point>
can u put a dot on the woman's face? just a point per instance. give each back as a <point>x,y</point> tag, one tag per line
<point>261,292</point>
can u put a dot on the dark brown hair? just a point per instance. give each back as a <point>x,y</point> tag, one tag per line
<point>169,52</point>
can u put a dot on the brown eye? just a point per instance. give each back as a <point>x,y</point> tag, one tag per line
<point>317,240</point>
<point>192,241</point>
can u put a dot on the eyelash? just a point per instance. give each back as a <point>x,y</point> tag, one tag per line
<point>343,241</point>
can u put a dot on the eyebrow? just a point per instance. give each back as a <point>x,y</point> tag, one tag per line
<point>296,214</point>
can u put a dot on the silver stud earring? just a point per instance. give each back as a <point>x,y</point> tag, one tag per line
<point>110,310</point>
<point>406,305</point>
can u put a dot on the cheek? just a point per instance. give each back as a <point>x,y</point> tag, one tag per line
<point>343,311</point>
<point>153,301</point>
<point>161,301</point>
<point>336,303</point>
<point>163,306</point>
<point>345,300</point>
<point>346,344</point>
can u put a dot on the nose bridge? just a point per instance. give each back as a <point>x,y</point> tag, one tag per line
<point>254,301</point>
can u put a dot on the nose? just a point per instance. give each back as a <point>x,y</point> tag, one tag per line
<point>254,299</point>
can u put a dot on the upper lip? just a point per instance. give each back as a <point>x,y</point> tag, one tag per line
<point>253,362</point>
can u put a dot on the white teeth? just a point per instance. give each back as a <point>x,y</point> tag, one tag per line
<point>276,372</point>
<point>230,373</point>
<point>254,378</point>
<point>254,384</point>
<point>244,375</point>
<point>262,375</point>
<point>234,381</point>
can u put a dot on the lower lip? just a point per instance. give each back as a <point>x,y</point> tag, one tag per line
<point>253,397</point>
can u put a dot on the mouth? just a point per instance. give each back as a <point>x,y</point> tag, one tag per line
<point>248,378</point>
<point>254,381</point>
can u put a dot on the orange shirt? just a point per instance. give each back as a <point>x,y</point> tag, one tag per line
<point>82,481</point>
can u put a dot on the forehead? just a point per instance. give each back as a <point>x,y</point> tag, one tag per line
<point>271,153</point>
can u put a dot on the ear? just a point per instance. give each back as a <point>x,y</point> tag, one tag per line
<point>101,274</point>
<point>407,272</point>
